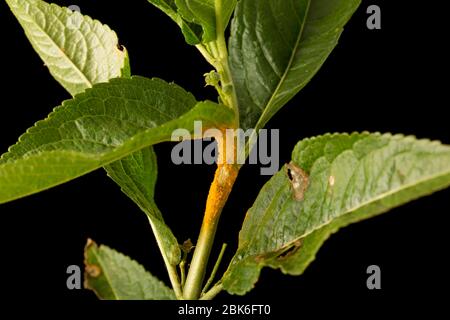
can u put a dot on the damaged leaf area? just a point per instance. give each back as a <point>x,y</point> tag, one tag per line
<point>114,276</point>
<point>299,180</point>
<point>291,251</point>
<point>351,178</point>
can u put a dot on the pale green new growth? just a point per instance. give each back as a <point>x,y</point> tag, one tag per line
<point>78,51</point>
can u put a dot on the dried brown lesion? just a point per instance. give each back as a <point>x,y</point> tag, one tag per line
<point>299,180</point>
<point>93,270</point>
<point>290,251</point>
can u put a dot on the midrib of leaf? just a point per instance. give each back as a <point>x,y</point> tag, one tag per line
<point>265,109</point>
<point>268,210</point>
<point>217,9</point>
<point>147,203</point>
<point>362,205</point>
<point>76,67</point>
<point>18,164</point>
<point>206,3</point>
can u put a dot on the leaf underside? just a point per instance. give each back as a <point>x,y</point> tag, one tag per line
<point>102,125</point>
<point>114,276</point>
<point>351,178</point>
<point>78,51</point>
<point>277,46</point>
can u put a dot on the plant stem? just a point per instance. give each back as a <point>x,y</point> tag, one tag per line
<point>206,54</point>
<point>183,272</point>
<point>216,53</point>
<point>224,179</point>
<point>171,270</point>
<point>213,292</point>
<point>216,267</point>
<point>173,275</point>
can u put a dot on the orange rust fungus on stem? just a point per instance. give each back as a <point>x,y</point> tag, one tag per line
<point>224,178</point>
<point>221,187</point>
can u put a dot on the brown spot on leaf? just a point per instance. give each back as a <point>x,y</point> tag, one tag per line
<point>260,258</point>
<point>93,270</point>
<point>290,251</point>
<point>299,180</point>
<point>89,243</point>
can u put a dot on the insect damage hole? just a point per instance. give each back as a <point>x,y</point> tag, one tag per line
<point>299,180</point>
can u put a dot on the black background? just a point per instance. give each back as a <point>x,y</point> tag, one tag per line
<point>389,80</point>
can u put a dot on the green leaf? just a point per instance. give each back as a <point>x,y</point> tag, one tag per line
<point>136,175</point>
<point>348,178</point>
<point>83,47</point>
<point>276,47</point>
<point>202,13</point>
<point>78,50</point>
<point>192,32</point>
<point>101,125</point>
<point>114,276</point>
<point>198,19</point>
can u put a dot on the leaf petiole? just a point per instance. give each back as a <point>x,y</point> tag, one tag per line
<point>215,269</point>
<point>171,270</point>
<point>211,294</point>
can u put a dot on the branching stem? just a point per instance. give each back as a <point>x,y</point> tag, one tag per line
<point>216,54</point>
<point>215,269</point>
